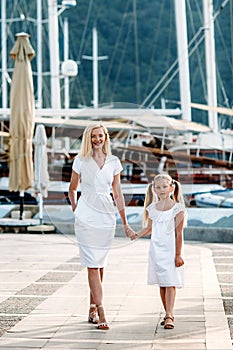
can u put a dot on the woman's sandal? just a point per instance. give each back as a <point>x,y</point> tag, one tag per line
<point>169,322</point>
<point>102,325</point>
<point>93,315</point>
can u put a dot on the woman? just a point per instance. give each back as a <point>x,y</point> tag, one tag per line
<point>95,222</point>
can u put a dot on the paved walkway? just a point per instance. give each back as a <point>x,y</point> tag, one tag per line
<point>44,286</point>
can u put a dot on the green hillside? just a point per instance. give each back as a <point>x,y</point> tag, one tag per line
<point>139,39</point>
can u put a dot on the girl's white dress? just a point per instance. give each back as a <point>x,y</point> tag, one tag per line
<point>95,219</point>
<point>162,252</point>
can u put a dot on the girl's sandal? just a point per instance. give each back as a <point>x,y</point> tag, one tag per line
<point>162,323</point>
<point>169,322</point>
<point>102,325</point>
<point>93,316</point>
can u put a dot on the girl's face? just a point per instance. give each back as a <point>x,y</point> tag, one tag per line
<point>163,188</point>
<point>98,138</point>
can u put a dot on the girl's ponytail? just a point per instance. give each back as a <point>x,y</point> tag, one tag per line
<point>148,199</point>
<point>178,197</point>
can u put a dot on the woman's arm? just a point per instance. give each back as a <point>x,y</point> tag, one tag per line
<point>120,204</point>
<point>179,220</point>
<point>74,182</point>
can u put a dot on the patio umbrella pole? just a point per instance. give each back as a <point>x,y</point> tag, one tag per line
<point>21,204</point>
<point>40,200</point>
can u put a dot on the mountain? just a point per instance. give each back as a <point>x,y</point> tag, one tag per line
<point>139,39</point>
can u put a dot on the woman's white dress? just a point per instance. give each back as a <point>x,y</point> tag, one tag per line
<point>162,251</point>
<point>95,219</point>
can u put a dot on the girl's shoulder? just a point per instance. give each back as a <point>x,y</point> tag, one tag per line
<point>151,209</point>
<point>178,207</point>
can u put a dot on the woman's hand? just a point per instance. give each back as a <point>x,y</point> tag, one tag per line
<point>179,261</point>
<point>129,232</point>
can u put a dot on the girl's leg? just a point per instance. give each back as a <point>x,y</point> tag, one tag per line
<point>170,295</point>
<point>162,295</point>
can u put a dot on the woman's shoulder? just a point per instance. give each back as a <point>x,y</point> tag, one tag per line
<point>113,158</point>
<point>78,162</point>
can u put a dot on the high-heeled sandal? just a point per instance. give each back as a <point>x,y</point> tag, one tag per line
<point>169,322</point>
<point>93,315</point>
<point>102,325</point>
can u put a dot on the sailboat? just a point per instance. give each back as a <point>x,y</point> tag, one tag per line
<point>132,118</point>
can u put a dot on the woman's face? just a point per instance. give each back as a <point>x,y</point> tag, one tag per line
<point>98,138</point>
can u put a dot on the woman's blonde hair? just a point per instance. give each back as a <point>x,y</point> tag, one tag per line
<point>86,145</point>
<point>151,195</point>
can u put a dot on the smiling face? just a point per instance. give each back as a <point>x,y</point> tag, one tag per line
<point>163,188</point>
<point>98,138</point>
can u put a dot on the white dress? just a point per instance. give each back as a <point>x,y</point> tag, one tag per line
<point>162,251</point>
<point>95,219</point>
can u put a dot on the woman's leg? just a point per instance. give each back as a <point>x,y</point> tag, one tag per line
<point>101,273</point>
<point>95,276</point>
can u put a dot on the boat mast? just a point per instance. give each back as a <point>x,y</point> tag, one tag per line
<point>39,54</point>
<point>54,54</point>
<point>210,63</point>
<point>95,58</point>
<point>4,58</point>
<point>182,43</point>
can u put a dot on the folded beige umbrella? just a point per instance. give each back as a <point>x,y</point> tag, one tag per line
<point>21,118</point>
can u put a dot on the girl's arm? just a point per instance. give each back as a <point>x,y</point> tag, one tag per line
<point>146,231</point>
<point>120,204</point>
<point>179,219</point>
<point>74,182</point>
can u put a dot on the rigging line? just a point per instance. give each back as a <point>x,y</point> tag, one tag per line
<point>224,45</point>
<point>222,89</point>
<point>115,49</point>
<point>121,60</point>
<point>174,74</point>
<point>193,39</point>
<point>169,46</point>
<point>85,30</point>
<point>200,31</point>
<point>198,53</point>
<point>156,36</point>
<point>231,31</point>
<point>137,67</point>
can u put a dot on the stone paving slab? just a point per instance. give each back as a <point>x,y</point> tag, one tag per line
<point>133,308</point>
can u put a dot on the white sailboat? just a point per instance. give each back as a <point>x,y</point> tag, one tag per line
<point>56,109</point>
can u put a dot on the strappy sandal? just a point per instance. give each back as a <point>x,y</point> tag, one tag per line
<point>102,325</point>
<point>169,322</point>
<point>93,315</point>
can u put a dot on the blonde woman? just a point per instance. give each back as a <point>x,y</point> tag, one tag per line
<point>164,218</point>
<point>99,173</point>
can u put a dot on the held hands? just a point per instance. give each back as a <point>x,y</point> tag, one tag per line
<point>179,261</point>
<point>129,232</point>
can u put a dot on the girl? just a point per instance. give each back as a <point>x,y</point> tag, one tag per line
<point>95,222</point>
<point>164,217</point>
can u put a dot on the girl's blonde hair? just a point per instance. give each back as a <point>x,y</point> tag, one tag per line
<point>86,145</point>
<point>151,195</point>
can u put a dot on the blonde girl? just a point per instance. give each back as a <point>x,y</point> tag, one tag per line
<point>164,218</point>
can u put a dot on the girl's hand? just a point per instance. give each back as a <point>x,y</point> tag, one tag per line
<point>179,261</point>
